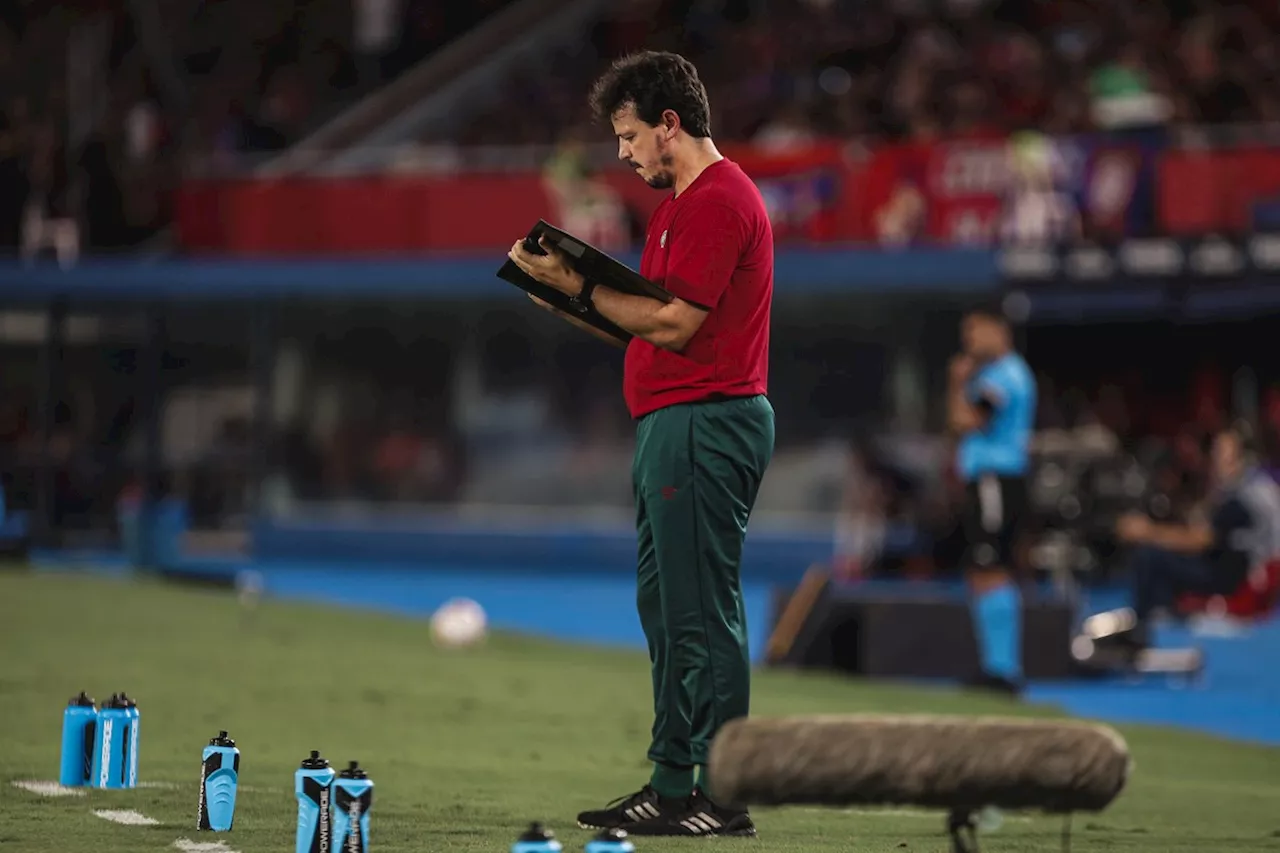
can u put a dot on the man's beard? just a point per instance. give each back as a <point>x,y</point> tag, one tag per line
<point>664,179</point>
<point>661,181</point>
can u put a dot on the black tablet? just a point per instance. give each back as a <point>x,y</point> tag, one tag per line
<point>591,263</point>
<point>596,265</point>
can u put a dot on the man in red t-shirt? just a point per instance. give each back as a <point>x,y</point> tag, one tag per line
<point>695,381</point>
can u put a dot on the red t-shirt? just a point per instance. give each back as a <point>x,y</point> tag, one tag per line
<point>712,246</point>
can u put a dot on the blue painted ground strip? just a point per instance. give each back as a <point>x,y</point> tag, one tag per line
<point>1238,697</point>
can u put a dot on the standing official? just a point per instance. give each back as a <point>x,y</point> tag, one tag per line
<point>695,380</point>
<point>991,405</point>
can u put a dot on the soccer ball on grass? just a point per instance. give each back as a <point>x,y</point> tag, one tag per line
<point>458,623</point>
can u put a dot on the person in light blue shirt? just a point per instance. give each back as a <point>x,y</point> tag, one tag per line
<point>1231,538</point>
<point>991,405</point>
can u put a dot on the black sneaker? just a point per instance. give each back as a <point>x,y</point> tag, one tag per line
<point>645,804</point>
<point>699,817</point>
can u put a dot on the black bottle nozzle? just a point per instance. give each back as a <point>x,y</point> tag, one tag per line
<point>314,761</point>
<point>221,740</point>
<point>84,700</point>
<point>353,771</point>
<point>537,832</point>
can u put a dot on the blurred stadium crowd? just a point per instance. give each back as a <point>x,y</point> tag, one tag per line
<point>201,85</point>
<point>789,72</point>
<point>215,85</point>
<point>394,413</point>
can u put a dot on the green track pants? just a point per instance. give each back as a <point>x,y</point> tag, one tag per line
<point>696,474</point>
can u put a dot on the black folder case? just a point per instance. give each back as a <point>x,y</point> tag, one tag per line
<point>593,265</point>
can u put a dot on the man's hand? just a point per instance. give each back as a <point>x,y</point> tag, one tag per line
<point>667,325</point>
<point>1133,528</point>
<point>962,417</point>
<point>1194,537</point>
<point>552,269</point>
<point>960,368</point>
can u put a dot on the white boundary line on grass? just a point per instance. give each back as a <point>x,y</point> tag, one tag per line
<point>126,818</point>
<point>186,845</point>
<point>47,789</point>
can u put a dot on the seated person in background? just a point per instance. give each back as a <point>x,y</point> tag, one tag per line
<point>1235,530</point>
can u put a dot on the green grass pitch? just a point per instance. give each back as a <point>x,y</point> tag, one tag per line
<point>466,747</point>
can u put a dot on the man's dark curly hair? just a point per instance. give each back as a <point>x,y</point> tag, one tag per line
<point>654,81</point>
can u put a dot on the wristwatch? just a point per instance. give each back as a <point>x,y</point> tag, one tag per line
<point>582,302</point>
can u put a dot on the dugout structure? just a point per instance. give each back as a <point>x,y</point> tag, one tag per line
<point>128,338</point>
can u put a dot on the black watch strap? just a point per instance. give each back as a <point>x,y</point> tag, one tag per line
<point>583,299</point>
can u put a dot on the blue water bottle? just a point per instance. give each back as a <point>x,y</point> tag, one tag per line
<point>612,840</point>
<point>352,799</point>
<point>219,778</point>
<point>536,839</point>
<point>109,744</point>
<point>313,786</point>
<point>79,728</point>
<point>130,746</point>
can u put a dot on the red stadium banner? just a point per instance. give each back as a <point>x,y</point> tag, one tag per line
<point>812,197</point>
<point>1219,191</point>
<point>965,192</point>
<point>813,194</point>
<point>949,193</point>
<point>358,215</point>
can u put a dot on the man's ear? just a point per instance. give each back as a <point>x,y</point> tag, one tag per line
<point>670,123</point>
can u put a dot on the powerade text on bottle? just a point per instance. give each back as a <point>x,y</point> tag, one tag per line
<point>79,729</point>
<point>219,778</point>
<point>536,839</point>
<point>352,799</point>
<point>312,785</point>
<point>109,744</point>
<point>130,746</point>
